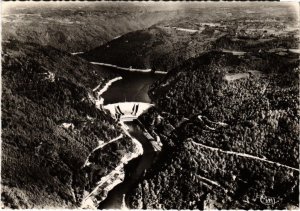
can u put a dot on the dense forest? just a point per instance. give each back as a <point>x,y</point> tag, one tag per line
<point>50,125</point>
<point>236,138</point>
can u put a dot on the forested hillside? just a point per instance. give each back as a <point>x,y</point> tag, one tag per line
<point>50,125</point>
<point>230,131</point>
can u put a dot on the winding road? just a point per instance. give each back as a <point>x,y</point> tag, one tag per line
<point>245,155</point>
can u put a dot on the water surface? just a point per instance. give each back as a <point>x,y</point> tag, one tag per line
<point>133,87</point>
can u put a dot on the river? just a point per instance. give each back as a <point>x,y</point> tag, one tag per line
<point>133,170</point>
<point>133,87</point>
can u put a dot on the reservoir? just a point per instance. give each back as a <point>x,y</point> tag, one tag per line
<point>133,87</point>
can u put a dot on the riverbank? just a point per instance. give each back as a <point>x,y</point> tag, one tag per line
<point>128,69</point>
<point>77,53</point>
<point>100,100</point>
<point>108,182</point>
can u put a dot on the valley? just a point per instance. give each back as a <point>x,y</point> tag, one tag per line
<point>150,105</point>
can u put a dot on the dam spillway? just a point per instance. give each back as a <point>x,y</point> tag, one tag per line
<point>127,111</point>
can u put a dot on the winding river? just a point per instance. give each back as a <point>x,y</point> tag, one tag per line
<point>133,87</point>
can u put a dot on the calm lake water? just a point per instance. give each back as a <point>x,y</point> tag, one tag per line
<point>133,87</point>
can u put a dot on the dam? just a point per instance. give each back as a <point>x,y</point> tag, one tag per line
<point>127,111</point>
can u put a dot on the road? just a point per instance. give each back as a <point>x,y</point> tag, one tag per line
<point>245,155</point>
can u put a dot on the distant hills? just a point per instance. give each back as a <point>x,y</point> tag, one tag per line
<point>74,29</point>
<point>159,48</point>
<point>162,48</point>
<point>80,27</point>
